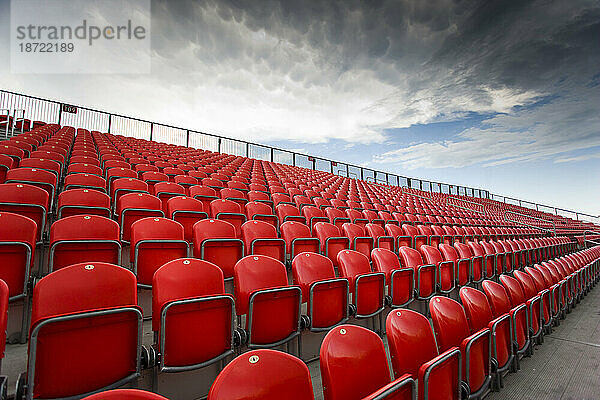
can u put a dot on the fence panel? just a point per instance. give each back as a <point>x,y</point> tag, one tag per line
<point>233,147</point>
<point>259,152</point>
<point>283,157</point>
<point>166,134</point>
<point>322,165</point>
<point>202,141</point>
<point>130,127</point>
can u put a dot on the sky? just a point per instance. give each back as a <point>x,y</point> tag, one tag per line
<point>499,95</point>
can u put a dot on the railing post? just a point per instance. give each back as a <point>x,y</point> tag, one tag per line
<point>187,138</point>
<point>294,159</point>
<point>151,130</point>
<point>109,122</point>
<point>219,146</point>
<point>247,150</point>
<point>361,174</point>
<point>271,154</point>
<point>59,113</point>
<point>347,171</point>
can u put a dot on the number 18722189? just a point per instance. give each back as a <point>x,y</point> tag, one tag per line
<point>43,47</point>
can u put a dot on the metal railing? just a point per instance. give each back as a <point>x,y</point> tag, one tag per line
<point>507,218</point>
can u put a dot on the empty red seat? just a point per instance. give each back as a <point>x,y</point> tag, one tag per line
<point>216,241</point>
<point>83,238</point>
<point>479,315</point>
<point>204,194</point>
<point>264,374</point>
<point>354,366</point>
<point>261,292</point>
<point>17,254</point>
<point>259,211</point>
<point>35,177</point>
<point>229,211</point>
<point>27,200</point>
<point>166,190</point>
<point>132,207</point>
<point>425,274</point>
<point>517,297</point>
<point>187,211</point>
<point>336,216</point>
<point>85,181</point>
<point>332,241</point>
<point>400,238</point>
<point>413,351</point>
<point>418,240</point>
<point>446,268</point>
<point>399,280</point>
<point>192,315</point>
<point>452,330</point>
<point>366,287</point>
<point>125,394</point>
<point>289,212</point>
<point>500,305</point>
<point>326,296</point>
<point>359,241</point>
<point>154,242</point>
<point>88,314</point>
<point>83,201</point>
<point>298,239</point>
<point>261,238</point>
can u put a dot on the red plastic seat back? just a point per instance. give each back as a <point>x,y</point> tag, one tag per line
<point>353,363</point>
<point>132,207</point>
<point>477,308</point>
<point>76,289</point>
<point>152,255</point>
<point>13,257</point>
<point>194,332</point>
<point>252,233</point>
<point>224,254</point>
<point>411,341</point>
<point>83,201</point>
<point>291,230</point>
<point>514,290</point>
<point>264,374</point>
<point>254,273</point>
<point>431,255</point>
<point>125,394</point>
<point>187,211</point>
<point>66,231</point>
<point>26,200</point>
<point>352,264</point>
<point>449,321</point>
<point>497,297</point>
<point>329,300</point>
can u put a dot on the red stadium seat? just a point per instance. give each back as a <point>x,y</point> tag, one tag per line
<point>354,366</point>
<point>154,242</point>
<point>452,330</point>
<point>298,239</point>
<point>332,242</point>
<point>261,238</point>
<point>83,238</point>
<point>125,394</point>
<point>264,374</point>
<point>479,315</point>
<point>192,315</point>
<point>132,207</point>
<point>366,287</point>
<point>75,310</point>
<point>83,201</point>
<point>400,280</point>
<point>229,211</point>
<point>261,292</point>
<point>215,241</point>
<point>414,351</point>
<point>187,211</point>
